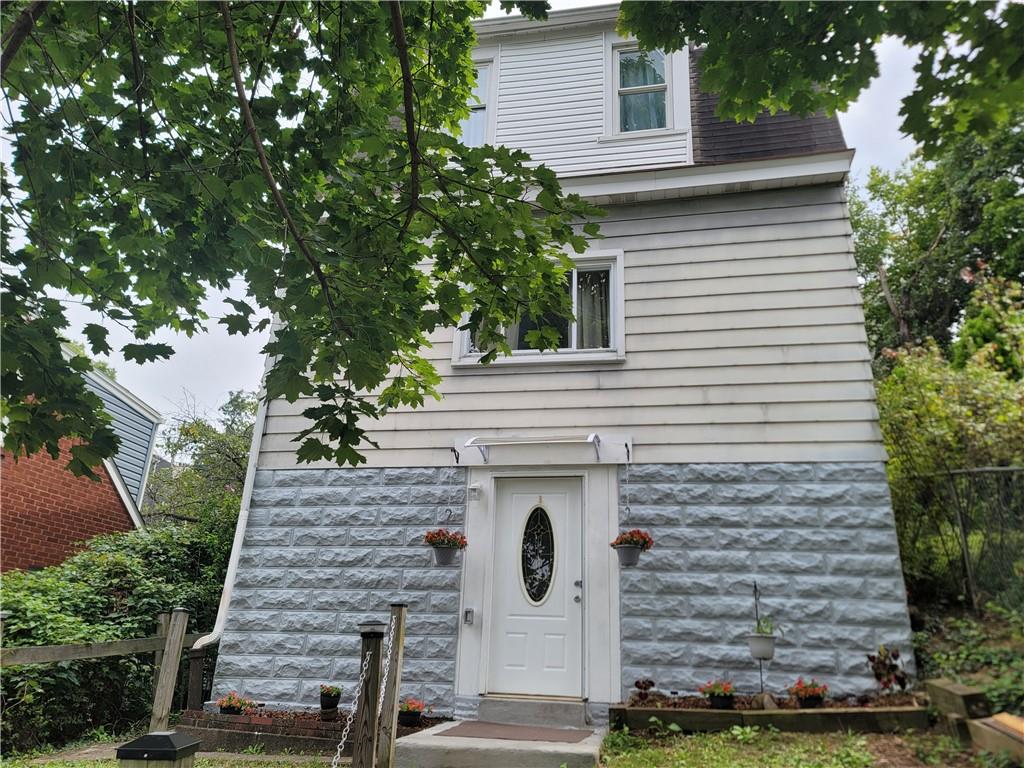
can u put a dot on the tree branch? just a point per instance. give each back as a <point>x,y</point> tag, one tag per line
<point>15,36</point>
<point>408,94</point>
<point>901,322</point>
<point>137,76</point>
<point>268,174</point>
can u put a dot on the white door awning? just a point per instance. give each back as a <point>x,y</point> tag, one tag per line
<point>590,448</point>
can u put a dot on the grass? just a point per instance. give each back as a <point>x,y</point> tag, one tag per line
<point>740,746</point>
<point>752,747</point>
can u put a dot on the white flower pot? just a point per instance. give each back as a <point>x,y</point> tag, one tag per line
<point>762,647</point>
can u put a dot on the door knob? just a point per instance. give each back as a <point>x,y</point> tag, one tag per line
<point>577,599</point>
<point>578,583</point>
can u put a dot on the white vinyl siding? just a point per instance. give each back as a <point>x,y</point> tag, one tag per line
<point>554,102</point>
<point>744,343</point>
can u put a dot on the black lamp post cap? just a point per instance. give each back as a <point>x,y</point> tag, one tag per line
<point>160,745</point>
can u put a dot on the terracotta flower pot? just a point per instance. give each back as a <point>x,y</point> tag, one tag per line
<point>445,555</point>
<point>629,554</point>
<point>722,702</point>
<point>409,719</point>
<point>762,647</point>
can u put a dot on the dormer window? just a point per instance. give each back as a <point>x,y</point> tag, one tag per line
<point>474,127</point>
<point>642,90</point>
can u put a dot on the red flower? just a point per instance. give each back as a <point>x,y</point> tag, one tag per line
<point>635,538</point>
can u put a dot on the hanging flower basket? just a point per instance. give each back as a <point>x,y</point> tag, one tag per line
<point>630,544</point>
<point>762,647</point>
<point>446,545</point>
<point>762,642</point>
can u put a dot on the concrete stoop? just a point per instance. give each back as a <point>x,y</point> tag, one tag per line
<point>519,710</point>
<point>427,749</point>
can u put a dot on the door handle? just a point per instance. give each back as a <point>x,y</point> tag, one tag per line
<point>577,599</point>
<point>578,583</point>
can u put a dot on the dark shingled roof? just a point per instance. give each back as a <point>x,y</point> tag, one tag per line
<point>780,135</point>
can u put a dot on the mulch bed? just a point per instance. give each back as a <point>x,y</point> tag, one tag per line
<point>305,722</point>
<point>742,702</point>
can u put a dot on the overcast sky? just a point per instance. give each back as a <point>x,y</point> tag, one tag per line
<point>206,367</point>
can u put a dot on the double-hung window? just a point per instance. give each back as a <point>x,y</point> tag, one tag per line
<point>641,90</point>
<point>474,127</point>
<point>594,333</point>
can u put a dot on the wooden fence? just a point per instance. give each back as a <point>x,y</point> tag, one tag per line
<point>166,646</point>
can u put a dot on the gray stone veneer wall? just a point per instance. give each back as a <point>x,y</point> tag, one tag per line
<point>325,550</point>
<point>818,538</point>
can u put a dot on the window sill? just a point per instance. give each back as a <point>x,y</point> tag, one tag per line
<point>543,358</point>
<point>615,138</point>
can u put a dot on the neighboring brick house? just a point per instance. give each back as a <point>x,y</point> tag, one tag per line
<point>714,388</point>
<point>45,510</point>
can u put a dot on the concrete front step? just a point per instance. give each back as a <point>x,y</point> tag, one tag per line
<point>549,713</point>
<point>428,749</point>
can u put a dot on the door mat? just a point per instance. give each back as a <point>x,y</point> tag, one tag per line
<point>475,729</point>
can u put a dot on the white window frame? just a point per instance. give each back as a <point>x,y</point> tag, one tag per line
<point>488,57</point>
<point>677,92</point>
<point>462,356</point>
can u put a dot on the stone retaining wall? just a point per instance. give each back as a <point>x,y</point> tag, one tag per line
<point>818,538</point>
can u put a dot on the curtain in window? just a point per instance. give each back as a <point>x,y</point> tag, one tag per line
<point>592,307</point>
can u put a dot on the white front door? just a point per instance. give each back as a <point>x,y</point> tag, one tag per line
<point>536,644</point>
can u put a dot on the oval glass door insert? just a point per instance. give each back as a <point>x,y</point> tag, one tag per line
<point>538,555</point>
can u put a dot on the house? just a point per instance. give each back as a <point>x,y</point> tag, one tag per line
<point>714,389</point>
<point>45,510</point>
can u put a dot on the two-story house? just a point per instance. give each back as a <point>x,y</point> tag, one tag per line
<point>714,389</point>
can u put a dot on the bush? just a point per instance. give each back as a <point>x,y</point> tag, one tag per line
<point>112,590</point>
<point>940,422</point>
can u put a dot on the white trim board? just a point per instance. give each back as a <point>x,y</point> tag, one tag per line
<point>122,492</point>
<point>601,638</point>
<point>694,180</point>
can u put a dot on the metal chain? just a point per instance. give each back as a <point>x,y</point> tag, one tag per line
<point>352,712</point>
<point>387,666</point>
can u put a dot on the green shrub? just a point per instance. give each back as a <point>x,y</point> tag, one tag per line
<point>112,590</point>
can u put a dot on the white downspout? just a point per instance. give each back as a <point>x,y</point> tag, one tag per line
<point>243,519</point>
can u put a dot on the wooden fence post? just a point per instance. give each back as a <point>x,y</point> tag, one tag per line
<point>163,621</point>
<point>388,725</point>
<point>164,695</point>
<point>196,662</point>
<point>366,703</point>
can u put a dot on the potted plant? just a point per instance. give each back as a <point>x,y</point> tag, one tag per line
<point>446,545</point>
<point>410,712</point>
<point>720,694</point>
<point>233,704</point>
<point>630,544</point>
<point>809,694</point>
<point>888,669</point>
<point>762,642</point>
<point>330,696</point>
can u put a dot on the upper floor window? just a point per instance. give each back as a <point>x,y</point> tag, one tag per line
<point>474,127</point>
<point>642,90</point>
<point>596,331</point>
